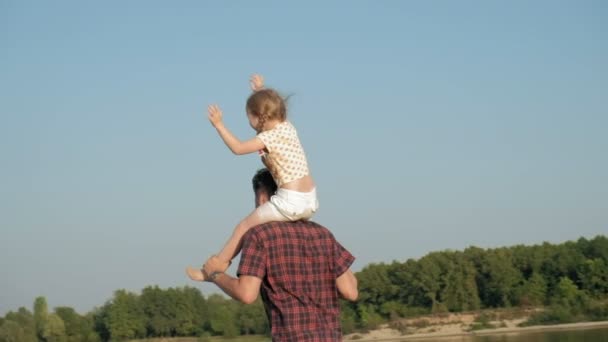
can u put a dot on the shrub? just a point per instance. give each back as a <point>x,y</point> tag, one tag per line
<point>399,326</point>
<point>597,311</point>
<point>554,315</point>
<point>421,323</point>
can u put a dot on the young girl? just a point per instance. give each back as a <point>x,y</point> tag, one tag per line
<point>278,144</point>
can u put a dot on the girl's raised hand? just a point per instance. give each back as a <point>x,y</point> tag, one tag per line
<point>215,115</point>
<point>257,82</point>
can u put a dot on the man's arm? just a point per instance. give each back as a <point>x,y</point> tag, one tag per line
<point>347,286</point>
<point>345,279</point>
<point>244,289</point>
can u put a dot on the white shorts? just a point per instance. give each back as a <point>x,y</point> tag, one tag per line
<point>289,205</point>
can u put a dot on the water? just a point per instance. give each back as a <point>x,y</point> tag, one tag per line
<point>586,335</point>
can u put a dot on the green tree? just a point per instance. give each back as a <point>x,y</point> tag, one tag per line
<point>11,331</point>
<point>41,317</point>
<point>71,321</point>
<point>497,279</point>
<point>568,295</point>
<point>157,307</point>
<point>593,276</point>
<point>427,281</point>
<point>252,318</point>
<point>391,309</point>
<point>89,332</point>
<point>77,327</point>
<point>200,309</point>
<point>460,292</point>
<point>528,259</point>
<point>25,319</point>
<point>534,291</point>
<point>368,317</point>
<point>562,261</point>
<point>185,312</point>
<point>408,291</point>
<point>125,318</point>
<point>49,327</point>
<point>596,248</point>
<point>375,286</point>
<point>222,316</point>
<point>99,318</point>
<point>55,329</point>
<point>172,312</point>
<point>348,317</point>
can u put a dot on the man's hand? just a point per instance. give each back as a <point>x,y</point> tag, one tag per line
<point>244,288</point>
<point>257,82</point>
<point>215,115</point>
<point>214,264</point>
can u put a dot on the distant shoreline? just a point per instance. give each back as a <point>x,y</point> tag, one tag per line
<point>484,332</point>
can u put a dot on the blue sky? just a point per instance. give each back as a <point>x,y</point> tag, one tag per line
<point>428,125</point>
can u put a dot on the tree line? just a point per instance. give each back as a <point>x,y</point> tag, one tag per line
<point>569,278</point>
<point>155,312</point>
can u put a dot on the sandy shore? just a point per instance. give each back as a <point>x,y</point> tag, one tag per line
<point>457,325</point>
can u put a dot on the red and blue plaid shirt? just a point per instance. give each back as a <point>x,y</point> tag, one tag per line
<point>298,263</point>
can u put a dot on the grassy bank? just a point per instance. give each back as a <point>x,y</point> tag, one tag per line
<point>479,322</point>
<point>250,338</point>
<point>486,322</point>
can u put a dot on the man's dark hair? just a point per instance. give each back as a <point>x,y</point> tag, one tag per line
<point>262,180</point>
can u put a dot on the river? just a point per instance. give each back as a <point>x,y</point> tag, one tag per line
<point>583,335</point>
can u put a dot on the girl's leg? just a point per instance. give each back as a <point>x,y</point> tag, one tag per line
<point>233,245</point>
<point>263,214</point>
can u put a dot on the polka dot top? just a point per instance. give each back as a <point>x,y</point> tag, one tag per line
<point>284,156</point>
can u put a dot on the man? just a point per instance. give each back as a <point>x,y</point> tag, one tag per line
<point>298,267</point>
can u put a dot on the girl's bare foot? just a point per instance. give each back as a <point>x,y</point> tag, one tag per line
<point>195,274</point>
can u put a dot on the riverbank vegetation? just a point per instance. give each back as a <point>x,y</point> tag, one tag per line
<point>569,281</point>
<point>569,277</point>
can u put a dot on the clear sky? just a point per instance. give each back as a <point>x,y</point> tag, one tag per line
<point>428,125</point>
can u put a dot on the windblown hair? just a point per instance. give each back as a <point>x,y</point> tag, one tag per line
<point>266,104</point>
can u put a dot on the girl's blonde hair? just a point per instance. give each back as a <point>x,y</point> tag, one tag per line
<point>266,104</point>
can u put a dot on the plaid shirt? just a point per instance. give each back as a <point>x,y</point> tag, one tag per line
<point>298,263</point>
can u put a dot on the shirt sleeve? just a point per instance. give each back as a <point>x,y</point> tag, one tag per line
<point>253,257</point>
<point>342,259</point>
<point>269,140</point>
